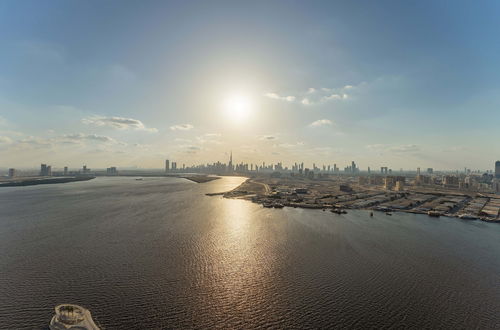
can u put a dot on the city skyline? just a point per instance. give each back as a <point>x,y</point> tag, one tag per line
<point>220,166</point>
<point>320,82</point>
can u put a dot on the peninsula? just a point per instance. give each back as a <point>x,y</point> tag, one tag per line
<point>200,178</point>
<point>340,193</point>
<point>32,181</point>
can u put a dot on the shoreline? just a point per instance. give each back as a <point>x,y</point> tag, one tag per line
<point>264,196</point>
<point>200,178</point>
<point>34,182</point>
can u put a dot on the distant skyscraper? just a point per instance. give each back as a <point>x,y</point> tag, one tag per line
<point>111,171</point>
<point>65,170</point>
<point>230,167</point>
<point>12,172</point>
<point>44,170</point>
<point>167,165</point>
<point>497,169</point>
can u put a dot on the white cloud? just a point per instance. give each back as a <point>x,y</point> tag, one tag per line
<point>118,123</point>
<point>325,98</point>
<point>213,135</point>
<point>314,96</point>
<point>89,137</point>
<point>141,146</point>
<point>267,137</point>
<point>212,138</point>
<point>290,145</point>
<point>405,148</point>
<point>334,97</point>
<point>394,149</point>
<point>321,122</point>
<point>376,146</point>
<point>181,127</point>
<point>275,96</point>
<point>5,140</point>
<point>35,142</point>
<point>189,148</point>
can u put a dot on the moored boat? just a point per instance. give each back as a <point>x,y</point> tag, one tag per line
<point>467,217</point>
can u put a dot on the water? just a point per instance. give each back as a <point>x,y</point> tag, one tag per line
<point>158,253</point>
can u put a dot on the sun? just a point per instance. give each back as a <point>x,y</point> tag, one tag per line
<point>237,108</point>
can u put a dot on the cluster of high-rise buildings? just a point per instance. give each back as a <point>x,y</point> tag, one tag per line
<point>170,167</point>
<point>299,168</point>
<point>46,170</point>
<point>230,167</point>
<point>466,180</point>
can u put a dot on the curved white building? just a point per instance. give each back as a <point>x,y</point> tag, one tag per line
<point>74,317</point>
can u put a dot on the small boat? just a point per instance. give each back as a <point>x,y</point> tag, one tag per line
<point>435,214</point>
<point>388,213</point>
<point>139,179</point>
<point>371,214</point>
<point>278,206</point>
<point>467,217</point>
<point>268,205</point>
<point>69,316</point>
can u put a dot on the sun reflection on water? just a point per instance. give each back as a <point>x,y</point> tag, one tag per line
<point>243,259</point>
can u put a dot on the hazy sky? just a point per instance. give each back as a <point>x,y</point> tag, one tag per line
<point>131,83</point>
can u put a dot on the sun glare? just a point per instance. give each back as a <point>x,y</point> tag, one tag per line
<point>237,108</point>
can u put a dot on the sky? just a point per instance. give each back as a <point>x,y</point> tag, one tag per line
<point>402,84</point>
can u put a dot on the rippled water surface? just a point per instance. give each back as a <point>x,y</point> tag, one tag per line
<point>158,253</point>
